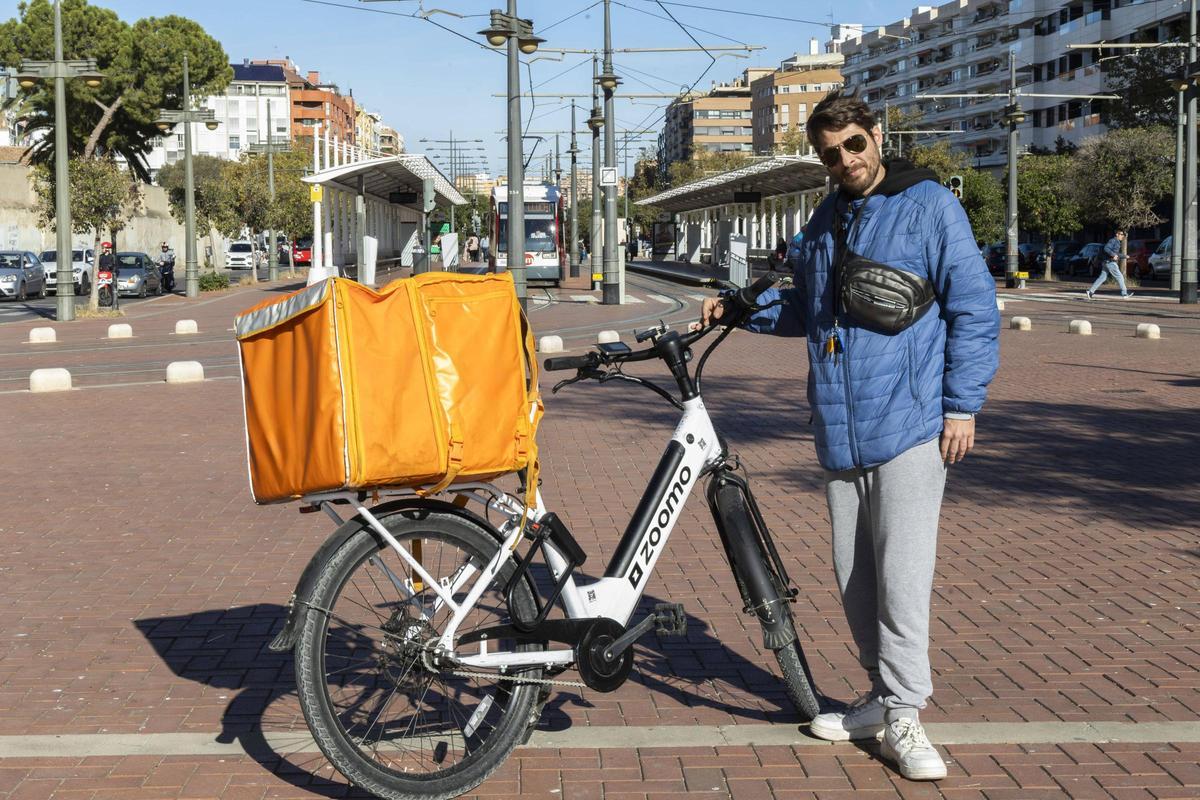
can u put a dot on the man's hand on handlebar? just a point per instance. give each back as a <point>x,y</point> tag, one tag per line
<point>711,310</point>
<point>741,302</point>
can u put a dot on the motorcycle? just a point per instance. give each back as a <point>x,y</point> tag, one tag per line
<point>166,266</point>
<point>105,287</point>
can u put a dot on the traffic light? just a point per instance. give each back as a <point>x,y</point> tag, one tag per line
<point>955,185</point>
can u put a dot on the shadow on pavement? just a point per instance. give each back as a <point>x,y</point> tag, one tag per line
<point>227,649</point>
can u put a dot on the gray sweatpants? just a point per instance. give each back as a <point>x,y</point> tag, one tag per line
<point>885,522</point>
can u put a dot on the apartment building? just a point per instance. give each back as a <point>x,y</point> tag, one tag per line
<point>391,142</point>
<point>717,121</point>
<point>366,128</point>
<point>316,102</point>
<point>781,100</point>
<point>241,114</point>
<point>962,47</point>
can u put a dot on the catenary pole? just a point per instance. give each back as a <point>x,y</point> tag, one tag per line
<point>1010,268</point>
<point>596,251</point>
<point>1187,281</point>
<point>192,271</point>
<point>574,266</point>
<point>516,167</point>
<point>612,279</point>
<point>1177,216</point>
<point>64,274</point>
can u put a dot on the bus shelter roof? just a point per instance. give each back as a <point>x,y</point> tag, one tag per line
<point>778,175</point>
<point>384,175</point>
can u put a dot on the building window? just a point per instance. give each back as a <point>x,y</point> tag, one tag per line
<point>235,142</point>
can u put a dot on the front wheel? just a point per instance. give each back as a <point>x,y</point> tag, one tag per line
<point>383,709</point>
<point>105,295</point>
<point>798,680</point>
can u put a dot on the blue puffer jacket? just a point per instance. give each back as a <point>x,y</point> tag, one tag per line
<point>885,394</point>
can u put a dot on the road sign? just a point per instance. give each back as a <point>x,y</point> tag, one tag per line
<point>608,176</point>
<point>316,193</point>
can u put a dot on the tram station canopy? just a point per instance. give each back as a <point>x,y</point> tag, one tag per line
<point>391,174</point>
<point>778,175</point>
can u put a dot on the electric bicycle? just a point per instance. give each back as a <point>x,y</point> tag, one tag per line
<point>426,643</point>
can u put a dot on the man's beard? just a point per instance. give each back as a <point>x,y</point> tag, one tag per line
<point>865,179</point>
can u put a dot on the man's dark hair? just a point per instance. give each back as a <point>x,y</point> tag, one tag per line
<point>837,111</point>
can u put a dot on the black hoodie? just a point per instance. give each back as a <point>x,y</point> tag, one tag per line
<point>901,174</point>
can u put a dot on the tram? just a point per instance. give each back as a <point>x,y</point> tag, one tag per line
<point>545,245</point>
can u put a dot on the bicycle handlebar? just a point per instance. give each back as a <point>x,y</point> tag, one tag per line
<point>742,300</point>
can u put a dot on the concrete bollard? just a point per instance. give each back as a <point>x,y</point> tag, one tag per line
<point>607,337</point>
<point>186,326</point>
<point>1020,324</point>
<point>185,372</point>
<point>999,305</point>
<point>550,344</point>
<point>1148,330</point>
<point>49,380</point>
<point>1080,326</point>
<point>121,330</point>
<point>39,335</point>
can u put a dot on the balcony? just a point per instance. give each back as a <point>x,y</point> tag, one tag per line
<point>1010,35</point>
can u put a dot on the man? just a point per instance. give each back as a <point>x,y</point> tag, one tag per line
<point>1111,267</point>
<point>890,411</point>
<point>166,266</point>
<point>485,245</point>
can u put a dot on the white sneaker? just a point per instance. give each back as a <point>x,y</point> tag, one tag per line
<point>905,745</point>
<point>863,720</point>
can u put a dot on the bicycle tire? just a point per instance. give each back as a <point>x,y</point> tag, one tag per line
<point>798,681</point>
<point>505,716</point>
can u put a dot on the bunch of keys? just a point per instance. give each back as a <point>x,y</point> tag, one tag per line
<point>833,345</point>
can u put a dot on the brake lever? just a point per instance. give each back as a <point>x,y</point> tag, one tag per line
<point>584,372</point>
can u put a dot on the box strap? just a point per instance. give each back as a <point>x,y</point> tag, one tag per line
<point>527,434</point>
<point>452,468</point>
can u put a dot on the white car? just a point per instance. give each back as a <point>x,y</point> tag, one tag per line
<point>81,269</point>
<point>1160,261</point>
<point>242,255</point>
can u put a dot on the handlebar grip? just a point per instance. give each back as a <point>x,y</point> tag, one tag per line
<point>750,293</point>
<point>567,362</point>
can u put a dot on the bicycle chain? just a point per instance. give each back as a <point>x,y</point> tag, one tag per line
<point>518,679</point>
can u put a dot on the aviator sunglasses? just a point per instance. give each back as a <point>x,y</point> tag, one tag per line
<point>855,144</point>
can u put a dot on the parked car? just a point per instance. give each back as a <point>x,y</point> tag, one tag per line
<point>994,257</point>
<point>1137,259</point>
<point>137,275</point>
<point>1028,255</point>
<point>302,250</point>
<point>241,255</point>
<point>1062,251</point>
<point>1160,260</point>
<point>21,275</point>
<point>1086,259</point>
<point>81,269</point>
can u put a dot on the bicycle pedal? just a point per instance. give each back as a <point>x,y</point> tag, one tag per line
<point>671,619</point>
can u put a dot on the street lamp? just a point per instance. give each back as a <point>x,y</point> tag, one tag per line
<point>59,70</point>
<point>167,119</point>
<point>518,34</point>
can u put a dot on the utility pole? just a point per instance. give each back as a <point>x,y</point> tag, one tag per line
<point>574,151</point>
<point>595,123</point>
<point>608,82</point>
<point>166,119</point>
<point>59,70</point>
<point>1187,282</point>
<point>1177,216</point>
<point>1014,116</point>
<point>315,193</point>
<point>269,147</point>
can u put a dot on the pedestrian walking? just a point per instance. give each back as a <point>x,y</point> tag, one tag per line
<point>472,248</point>
<point>1110,267</point>
<point>485,245</point>
<point>893,401</point>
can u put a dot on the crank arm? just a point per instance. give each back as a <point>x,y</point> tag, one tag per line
<point>668,618</point>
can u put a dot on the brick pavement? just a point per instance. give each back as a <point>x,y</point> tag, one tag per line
<point>1066,588</point>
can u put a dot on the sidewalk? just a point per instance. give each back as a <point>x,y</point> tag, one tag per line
<point>141,584</point>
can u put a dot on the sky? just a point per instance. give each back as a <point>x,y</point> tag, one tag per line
<point>432,82</point>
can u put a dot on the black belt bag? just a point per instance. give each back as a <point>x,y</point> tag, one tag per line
<point>881,298</point>
<point>876,296</point>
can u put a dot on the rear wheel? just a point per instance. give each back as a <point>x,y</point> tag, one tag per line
<point>382,708</point>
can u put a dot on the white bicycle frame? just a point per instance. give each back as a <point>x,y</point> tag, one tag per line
<point>693,447</point>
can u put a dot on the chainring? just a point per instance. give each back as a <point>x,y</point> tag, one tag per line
<point>598,672</point>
